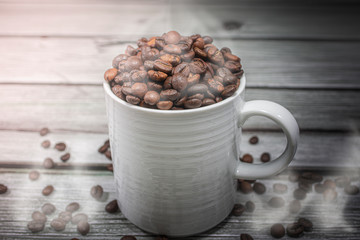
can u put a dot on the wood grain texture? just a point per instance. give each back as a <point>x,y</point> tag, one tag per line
<point>24,197</point>
<point>278,64</point>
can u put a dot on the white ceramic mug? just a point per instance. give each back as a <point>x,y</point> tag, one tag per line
<point>176,171</point>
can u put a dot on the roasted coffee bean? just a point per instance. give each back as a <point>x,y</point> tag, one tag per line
<point>128,237</point>
<point>173,49</point>
<point>3,189</point>
<point>48,208</point>
<point>207,102</point>
<point>199,96</point>
<point>231,57</point>
<point>65,157</point>
<point>172,37</point>
<point>45,144</point>
<point>157,76</point>
<point>233,66</point>
<point>118,59</point>
<point>152,98</point>
<point>342,181</point>
<point>223,72</point>
<point>294,206</point>
<point>38,217</point>
<point>265,157</point>
<point>179,82</point>
<point>216,56</point>
<point>245,187</point>
<point>299,194</point>
<point>250,206</point>
<point>149,65</point>
<point>132,63</point>
<point>35,226</point>
<point>65,216</point>
<point>58,224</point>
<point>197,66</point>
<point>352,189</point>
<point>48,190</point>
<point>247,158</point>
<point>238,209</point>
<point>245,236</point>
<point>182,68</point>
<point>280,188</point>
<point>254,140</point>
<point>192,103</point>
<point>169,94</point>
<point>138,75</point>
<point>329,195</point>
<point>306,223</point>
<point>328,183</point>
<point>293,177</point>
<point>277,230</point>
<point>117,90</point>
<point>294,230</point>
<point>112,207</point>
<point>151,42</point>
<point>197,88</point>
<point>160,43</point>
<point>110,74</point>
<point>200,53</point>
<point>60,146</point>
<point>207,39</point>
<point>163,66</point>
<point>259,188</point>
<point>180,102</point>
<point>83,227</point>
<point>96,192</point>
<point>44,131</point>
<point>133,100</point>
<point>72,207</point>
<point>164,105</point>
<point>152,86</point>
<point>276,202</point>
<point>79,217</point>
<point>48,163</point>
<point>310,177</point>
<point>230,80</point>
<point>229,90</point>
<point>148,53</point>
<point>139,89</point>
<point>305,186</point>
<point>319,188</point>
<point>174,60</point>
<point>103,148</point>
<point>108,155</point>
<point>193,79</point>
<point>187,57</point>
<point>34,175</point>
<point>131,51</point>
<point>215,87</point>
<point>110,167</point>
<point>199,43</point>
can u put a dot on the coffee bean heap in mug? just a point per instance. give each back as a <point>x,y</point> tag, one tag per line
<point>174,72</point>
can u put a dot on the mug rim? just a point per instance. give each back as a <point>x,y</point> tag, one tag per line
<point>177,112</point>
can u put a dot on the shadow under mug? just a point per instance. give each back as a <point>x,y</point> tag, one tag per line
<point>175,171</point>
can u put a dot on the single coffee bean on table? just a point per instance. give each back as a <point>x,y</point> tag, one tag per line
<point>60,146</point>
<point>58,224</point>
<point>65,157</point>
<point>66,216</point>
<point>276,202</point>
<point>259,188</point>
<point>294,230</point>
<point>83,227</point>
<point>34,175</point>
<point>96,192</point>
<point>79,217</point>
<point>46,144</point>
<point>306,223</point>
<point>254,140</point>
<point>108,154</point>
<point>3,189</point>
<point>245,236</point>
<point>39,216</point>
<point>244,187</point>
<point>247,158</point>
<point>294,206</point>
<point>35,226</point>
<point>265,157</point>
<point>48,163</point>
<point>44,131</point>
<point>112,207</point>
<point>307,187</point>
<point>352,189</point>
<point>319,188</point>
<point>238,209</point>
<point>48,190</point>
<point>277,230</point>
<point>280,188</point>
<point>110,167</point>
<point>250,206</point>
<point>48,208</point>
<point>72,207</point>
<point>299,194</point>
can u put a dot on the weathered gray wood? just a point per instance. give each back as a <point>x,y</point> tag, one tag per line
<point>82,108</point>
<point>24,197</point>
<point>333,150</point>
<point>284,64</point>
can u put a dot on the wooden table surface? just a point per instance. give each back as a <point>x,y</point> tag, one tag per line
<point>304,55</point>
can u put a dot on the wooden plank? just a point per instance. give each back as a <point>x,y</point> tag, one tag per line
<point>333,150</point>
<point>24,197</point>
<point>82,108</point>
<point>262,19</point>
<point>280,64</point>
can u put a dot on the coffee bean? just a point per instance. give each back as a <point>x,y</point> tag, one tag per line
<point>187,57</point>
<point>60,146</point>
<point>250,206</point>
<point>254,140</point>
<point>38,217</point>
<point>179,82</point>
<point>172,37</point>
<point>229,90</point>
<point>328,183</point>
<point>58,224</point>
<point>139,89</point>
<point>65,216</point>
<point>112,207</point>
<point>233,66</point>
<point>110,74</point>
<point>319,188</point>
<point>207,102</point>
<point>35,226</point>
<point>310,177</point>
<point>259,188</point>
<point>110,167</point>
<point>44,131</point>
<point>247,158</point>
<point>305,186</point>
<point>198,66</point>
<point>72,207</point>
<point>192,103</point>
<point>174,60</point>
<point>265,157</point>
<point>65,157</point>
<point>83,227</point>
<point>299,194</point>
<point>294,177</point>
<point>352,189</point>
<point>79,217</point>
<point>172,48</point>
<point>138,75</point>
<point>108,154</point>
<point>244,187</point>
<point>34,175</point>
<point>132,63</point>
<point>182,68</point>
<point>151,98</point>
<point>280,188</point>
<point>132,100</point>
<point>157,76</point>
<point>48,163</point>
<point>164,105</point>
<point>294,230</point>
<point>163,66</point>
<point>231,57</point>
<point>216,56</point>
<point>245,236</point>
<point>306,223</point>
<point>276,202</point>
<point>277,230</point>
<point>118,59</point>
<point>342,181</point>
<point>329,195</point>
<point>199,96</point>
<point>3,189</point>
<point>48,190</point>
<point>238,209</point>
<point>294,206</point>
<point>96,192</point>
<point>169,95</point>
<point>128,238</point>
<point>48,208</point>
<point>46,144</point>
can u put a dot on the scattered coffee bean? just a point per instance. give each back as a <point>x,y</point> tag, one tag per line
<point>277,230</point>
<point>342,181</point>
<point>58,224</point>
<point>319,188</point>
<point>3,189</point>
<point>34,175</point>
<point>294,230</point>
<point>259,188</point>
<point>310,177</point>
<point>48,163</point>
<point>306,223</point>
<point>352,189</point>
<point>244,187</point>
<point>265,157</point>
<point>83,227</point>
<point>250,206</point>
<point>48,208</point>
<point>108,155</point>
<point>305,186</point>
<point>110,167</point>
<point>254,140</point>
<point>128,237</point>
<point>329,195</point>
<point>60,146</point>
<point>96,192</point>
<point>280,188</point>
<point>238,209</point>
<point>247,158</point>
<point>39,216</point>
<point>44,131</point>
<point>245,236</point>
<point>112,207</point>
<point>46,144</point>
<point>65,216</point>
<point>48,190</point>
<point>294,206</point>
<point>299,194</point>
<point>294,177</point>
<point>276,202</point>
<point>103,148</point>
<point>65,157</point>
<point>35,226</point>
<point>79,217</point>
<point>72,207</point>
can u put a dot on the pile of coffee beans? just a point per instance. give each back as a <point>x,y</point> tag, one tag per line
<point>174,72</point>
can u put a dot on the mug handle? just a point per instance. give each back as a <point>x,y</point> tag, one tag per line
<point>286,121</point>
